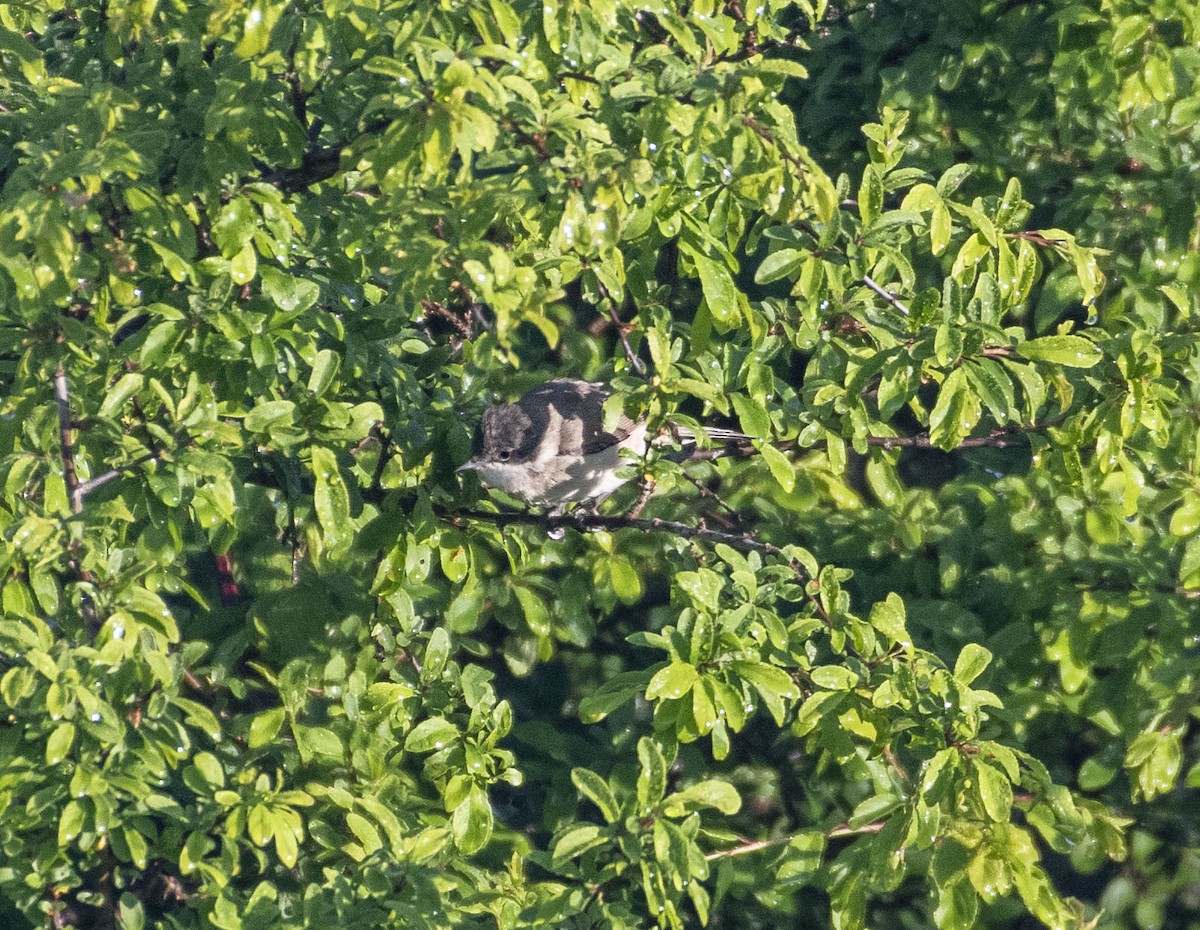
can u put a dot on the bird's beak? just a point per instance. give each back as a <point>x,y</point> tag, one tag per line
<point>469,465</point>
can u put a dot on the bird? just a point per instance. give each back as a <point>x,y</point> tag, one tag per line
<point>551,449</point>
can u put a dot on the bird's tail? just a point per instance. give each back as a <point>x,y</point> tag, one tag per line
<point>714,434</point>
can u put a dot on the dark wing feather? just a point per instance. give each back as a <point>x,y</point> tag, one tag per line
<point>581,402</point>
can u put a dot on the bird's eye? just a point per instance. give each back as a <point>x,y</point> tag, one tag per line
<point>503,456</point>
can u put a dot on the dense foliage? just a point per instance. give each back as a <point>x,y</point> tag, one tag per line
<point>926,656</point>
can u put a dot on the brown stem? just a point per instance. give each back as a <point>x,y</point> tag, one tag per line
<point>636,363</point>
<point>1036,239</point>
<point>765,134</point>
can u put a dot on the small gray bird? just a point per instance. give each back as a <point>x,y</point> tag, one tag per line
<point>551,449</point>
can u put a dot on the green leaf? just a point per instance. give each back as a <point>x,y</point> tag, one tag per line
<point>671,682</point>
<point>709,793</point>
<point>576,841</point>
<point>874,808</point>
<point>719,291</point>
<point>290,294</point>
<point>120,392</point>
<point>596,790</point>
<point>1185,520</point>
<point>888,616</point>
<point>1070,351</point>
<point>614,693</point>
<point>652,777</point>
<point>472,822</point>
<point>270,414</point>
<point>364,831</point>
<point>782,264</point>
<point>332,502</point>
<point>995,790</point>
<point>59,743</point>
<point>324,370</point>
<point>956,412</point>
<point>870,195</point>
<point>319,741</point>
<point>752,416</point>
<point>833,677</point>
<point>972,660</point>
<point>780,465</point>
<point>264,727</point>
<point>432,734</point>
<point>774,684</point>
<point>70,822</point>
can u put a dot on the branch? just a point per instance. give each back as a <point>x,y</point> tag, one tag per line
<point>996,439</point>
<point>885,294</point>
<point>583,522</point>
<point>87,487</point>
<point>765,134</point>
<point>753,846</point>
<point>745,542</point>
<point>316,165</point>
<point>1037,239</point>
<point>66,435</point>
<point>636,363</point>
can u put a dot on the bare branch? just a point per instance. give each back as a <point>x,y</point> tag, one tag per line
<point>66,435</point>
<point>745,542</point>
<point>87,487</point>
<point>885,294</point>
<point>636,363</point>
<point>996,439</point>
<point>753,846</point>
<point>769,138</point>
<point>583,522</point>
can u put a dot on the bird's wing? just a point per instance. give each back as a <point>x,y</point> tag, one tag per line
<point>581,405</point>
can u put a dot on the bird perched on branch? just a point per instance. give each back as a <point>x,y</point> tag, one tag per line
<point>551,449</point>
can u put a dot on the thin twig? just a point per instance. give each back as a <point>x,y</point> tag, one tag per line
<point>66,435</point>
<point>996,439</point>
<point>87,487</point>
<point>1036,238</point>
<point>640,505</point>
<point>583,522</point>
<point>744,542</point>
<point>707,492</point>
<point>636,363</point>
<point>753,846</point>
<point>768,137</point>
<point>885,294</point>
